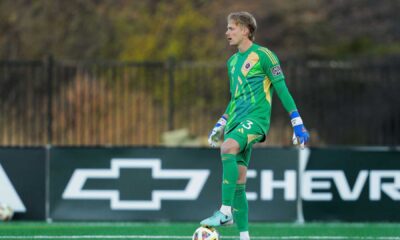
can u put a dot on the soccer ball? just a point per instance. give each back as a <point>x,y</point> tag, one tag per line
<point>6,212</point>
<point>205,233</point>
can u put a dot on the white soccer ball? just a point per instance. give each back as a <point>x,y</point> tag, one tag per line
<point>205,233</point>
<point>6,212</point>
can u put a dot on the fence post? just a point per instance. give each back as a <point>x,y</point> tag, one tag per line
<point>49,64</point>
<point>171,85</point>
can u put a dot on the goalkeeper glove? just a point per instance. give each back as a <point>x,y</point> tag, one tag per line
<point>216,133</point>
<point>300,134</point>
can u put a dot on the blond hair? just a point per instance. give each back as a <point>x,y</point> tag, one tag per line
<point>244,19</point>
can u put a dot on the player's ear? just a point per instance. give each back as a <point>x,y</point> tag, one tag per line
<point>245,30</point>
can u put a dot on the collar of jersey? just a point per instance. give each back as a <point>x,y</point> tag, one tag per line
<point>248,50</point>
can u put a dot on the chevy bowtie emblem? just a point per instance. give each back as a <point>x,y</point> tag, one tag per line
<point>196,180</point>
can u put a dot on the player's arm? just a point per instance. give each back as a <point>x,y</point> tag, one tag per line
<point>274,72</point>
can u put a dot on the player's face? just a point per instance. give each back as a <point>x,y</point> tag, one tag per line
<point>235,33</point>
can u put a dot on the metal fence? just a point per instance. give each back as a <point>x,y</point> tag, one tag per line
<point>164,103</point>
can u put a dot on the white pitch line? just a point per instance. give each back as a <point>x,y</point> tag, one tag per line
<point>94,237</point>
<point>189,237</point>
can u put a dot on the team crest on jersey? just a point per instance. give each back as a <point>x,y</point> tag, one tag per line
<point>276,71</point>
<point>247,66</point>
<point>251,60</point>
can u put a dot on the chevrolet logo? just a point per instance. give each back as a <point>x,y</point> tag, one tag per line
<point>197,179</point>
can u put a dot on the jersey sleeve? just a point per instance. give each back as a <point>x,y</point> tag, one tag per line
<point>271,66</point>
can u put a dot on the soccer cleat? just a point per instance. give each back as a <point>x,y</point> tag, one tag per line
<point>217,219</point>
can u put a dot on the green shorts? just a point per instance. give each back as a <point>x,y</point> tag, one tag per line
<point>246,134</point>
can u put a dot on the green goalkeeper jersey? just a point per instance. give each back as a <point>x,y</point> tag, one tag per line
<point>254,76</point>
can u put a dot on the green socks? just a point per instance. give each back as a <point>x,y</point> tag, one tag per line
<point>241,208</point>
<point>233,194</point>
<point>229,177</point>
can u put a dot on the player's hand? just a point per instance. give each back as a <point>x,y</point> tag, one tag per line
<point>300,133</point>
<point>216,132</point>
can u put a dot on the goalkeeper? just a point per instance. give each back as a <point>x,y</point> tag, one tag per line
<point>254,74</point>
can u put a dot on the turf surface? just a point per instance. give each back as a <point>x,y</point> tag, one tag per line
<point>267,231</point>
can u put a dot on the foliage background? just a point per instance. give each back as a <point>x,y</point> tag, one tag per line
<point>194,30</point>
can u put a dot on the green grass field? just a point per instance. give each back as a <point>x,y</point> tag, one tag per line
<point>118,230</point>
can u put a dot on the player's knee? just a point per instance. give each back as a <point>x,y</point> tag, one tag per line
<point>242,175</point>
<point>241,181</point>
<point>230,147</point>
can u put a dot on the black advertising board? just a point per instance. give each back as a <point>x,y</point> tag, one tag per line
<point>22,182</point>
<point>352,185</point>
<point>183,184</point>
<point>174,184</point>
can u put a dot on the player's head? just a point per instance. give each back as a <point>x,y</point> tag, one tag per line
<point>245,21</point>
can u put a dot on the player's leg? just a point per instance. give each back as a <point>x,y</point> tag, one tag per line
<point>229,150</point>
<point>237,141</point>
<point>240,204</point>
